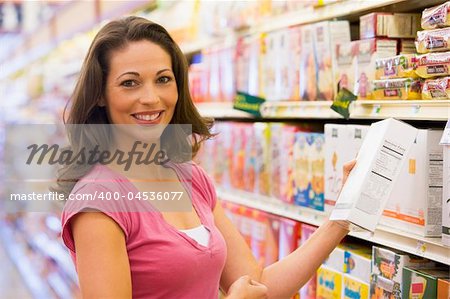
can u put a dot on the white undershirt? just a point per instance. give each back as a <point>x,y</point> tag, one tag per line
<point>200,234</point>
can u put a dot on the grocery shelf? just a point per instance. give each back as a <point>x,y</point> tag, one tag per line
<point>371,109</point>
<point>410,110</point>
<point>348,9</point>
<point>221,110</point>
<point>298,109</point>
<point>431,248</point>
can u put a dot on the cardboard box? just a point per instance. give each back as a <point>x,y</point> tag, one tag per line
<point>329,283</point>
<point>415,204</point>
<point>368,52</point>
<point>308,291</point>
<point>326,36</point>
<point>443,289</point>
<point>287,163</point>
<point>294,74</point>
<point>379,161</point>
<point>373,25</point>
<point>345,65</point>
<point>445,142</point>
<point>249,157</point>
<point>422,283</point>
<point>342,143</point>
<point>387,272</point>
<point>353,288</point>
<point>336,259</point>
<point>262,160</point>
<point>308,67</point>
<point>357,262</point>
<point>301,169</point>
<point>290,233</point>
<point>276,158</point>
<point>403,25</point>
<point>317,176</point>
<point>272,239</point>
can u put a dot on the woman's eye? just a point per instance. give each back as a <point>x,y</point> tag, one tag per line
<point>129,83</point>
<point>164,79</point>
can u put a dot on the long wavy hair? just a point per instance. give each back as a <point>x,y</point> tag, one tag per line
<point>86,108</point>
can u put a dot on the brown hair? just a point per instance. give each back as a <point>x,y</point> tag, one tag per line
<point>85,104</point>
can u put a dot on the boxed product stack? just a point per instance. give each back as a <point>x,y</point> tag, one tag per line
<point>318,58</point>
<point>415,204</point>
<point>329,276</point>
<point>386,279</point>
<point>380,34</point>
<point>309,170</point>
<point>432,43</point>
<point>342,143</point>
<point>308,291</point>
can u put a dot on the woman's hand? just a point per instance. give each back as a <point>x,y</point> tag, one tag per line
<point>247,288</point>
<point>347,169</point>
<point>346,172</point>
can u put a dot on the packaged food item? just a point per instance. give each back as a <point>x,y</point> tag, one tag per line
<point>358,261</point>
<point>373,25</point>
<point>287,163</point>
<point>422,283</point>
<point>302,166</point>
<point>445,143</point>
<point>329,283</point>
<point>403,25</point>
<point>364,195</point>
<point>250,158</point>
<point>295,43</point>
<point>387,272</point>
<point>308,291</point>
<point>436,89</point>
<point>400,66</point>
<point>290,231</point>
<point>436,17</point>
<point>345,65</point>
<point>354,288</point>
<point>406,46</point>
<point>326,35</point>
<point>433,40</point>
<point>367,53</point>
<point>317,176</point>
<point>443,288</point>
<point>433,65</point>
<point>397,89</point>
<point>308,66</point>
<point>417,209</point>
<point>262,160</point>
<point>276,158</point>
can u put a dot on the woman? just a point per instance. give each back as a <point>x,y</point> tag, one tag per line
<point>134,74</point>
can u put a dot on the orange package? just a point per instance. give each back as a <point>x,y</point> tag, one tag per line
<point>400,66</point>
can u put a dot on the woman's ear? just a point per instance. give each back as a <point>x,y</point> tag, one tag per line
<point>101,103</point>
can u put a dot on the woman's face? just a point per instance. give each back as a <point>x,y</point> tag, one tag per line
<point>140,87</point>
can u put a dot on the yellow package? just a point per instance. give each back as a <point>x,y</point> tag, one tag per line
<point>436,17</point>
<point>397,89</point>
<point>433,40</point>
<point>436,89</point>
<point>400,66</point>
<point>433,65</point>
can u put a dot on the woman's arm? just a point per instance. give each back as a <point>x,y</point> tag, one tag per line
<point>286,276</point>
<point>102,261</point>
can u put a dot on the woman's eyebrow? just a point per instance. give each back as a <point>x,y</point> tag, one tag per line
<point>128,73</point>
<point>162,71</point>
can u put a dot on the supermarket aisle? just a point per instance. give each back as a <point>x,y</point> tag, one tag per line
<point>11,286</point>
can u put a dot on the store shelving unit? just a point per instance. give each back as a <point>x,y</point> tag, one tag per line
<point>430,248</point>
<point>369,109</point>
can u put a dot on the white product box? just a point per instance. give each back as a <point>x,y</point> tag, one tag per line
<point>445,141</point>
<point>336,259</point>
<point>378,165</point>
<point>344,65</point>
<point>415,204</point>
<point>342,143</point>
<point>308,66</point>
<point>326,36</point>
<point>357,263</point>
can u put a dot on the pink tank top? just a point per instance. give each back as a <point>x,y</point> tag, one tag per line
<point>164,262</point>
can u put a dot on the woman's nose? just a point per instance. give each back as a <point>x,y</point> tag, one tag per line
<point>149,95</point>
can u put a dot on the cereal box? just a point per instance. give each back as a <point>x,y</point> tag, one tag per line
<point>329,283</point>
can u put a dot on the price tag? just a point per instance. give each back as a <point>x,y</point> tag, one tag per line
<point>415,109</point>
<point>376,109</point>
<point>421,248</point>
